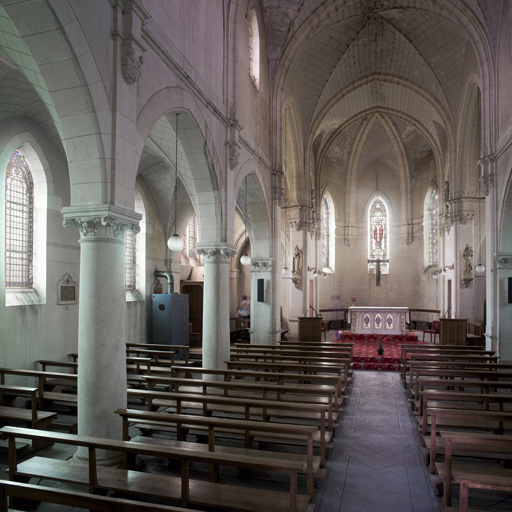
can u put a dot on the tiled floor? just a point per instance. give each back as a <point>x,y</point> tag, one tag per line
<point>376,464</point>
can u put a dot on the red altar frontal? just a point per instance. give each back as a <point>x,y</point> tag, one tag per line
<point>378,320</point>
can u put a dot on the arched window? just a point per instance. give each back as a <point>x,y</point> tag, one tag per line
<point>378,236</point>
<point>327,214</point>
<point>130,259</point>
<point>19,224</point>
<point>254,47</point>
<point>135,254</point>
<point>190,239</point>
<point>431,233</point>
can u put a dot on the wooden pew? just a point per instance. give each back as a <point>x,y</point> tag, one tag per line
<point>488,477</point>
<point>182,489</point>
<point>161,346</point>
<point>460,419</point>
<point>483,386</point>
<point>157,357</point>
<point>42,377</point>
<point>264,410</point>
<point>34,417</point>
<point>247,430</point>
<point>217,429</point>
<point>324,347</point>
<point>263,390</point>
<point>466,401</point>
<point>10,490</point>
<point>409,348</point>
<point>455,365</point>
<point>454,376</point>
<point>135,367</point>
<point>336,368</point>
<point>327,381</point>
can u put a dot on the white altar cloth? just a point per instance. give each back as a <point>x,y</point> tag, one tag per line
<point>378,320</point>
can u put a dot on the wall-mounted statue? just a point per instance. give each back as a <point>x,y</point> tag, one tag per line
<point>297,261</point>
<point>467,265</point>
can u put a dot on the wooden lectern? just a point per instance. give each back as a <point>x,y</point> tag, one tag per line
<point>310,328</point>
<point>453,331</point>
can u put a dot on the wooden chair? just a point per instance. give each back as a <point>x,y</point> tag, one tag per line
<point>195,338</point>
<point>433,330</point>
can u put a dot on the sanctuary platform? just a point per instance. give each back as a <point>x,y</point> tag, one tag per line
<point>365,355</point>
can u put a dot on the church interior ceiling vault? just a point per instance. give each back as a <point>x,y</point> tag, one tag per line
<point>404,61</point>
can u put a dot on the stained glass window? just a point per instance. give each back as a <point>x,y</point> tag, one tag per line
<point>254,47</point>
<point>378,236</point>
<point>130,247</point>
<point>324,212</point>
<point>433,210</point>
<point>19,224</point>
<point>190,239</point>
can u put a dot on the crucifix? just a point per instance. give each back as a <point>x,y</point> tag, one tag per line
<point>378,261</point>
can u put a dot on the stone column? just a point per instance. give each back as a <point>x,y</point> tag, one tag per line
<point>262,320</point>
<point>101,321</point>
<point>216,257</point>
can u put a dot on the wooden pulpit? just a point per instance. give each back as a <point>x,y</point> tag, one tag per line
<point>310,328</point>
<point>453,331</point>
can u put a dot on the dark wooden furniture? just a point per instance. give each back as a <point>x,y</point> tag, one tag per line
<point>310,328</point>
<point>194,289</point>
<point>453,331</point>
<point>183,489</point>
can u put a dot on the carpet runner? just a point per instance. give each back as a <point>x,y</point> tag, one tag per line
<point>365,355</point>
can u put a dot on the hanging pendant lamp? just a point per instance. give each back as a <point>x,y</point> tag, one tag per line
<point>479,267</point>
<point>175,242</point>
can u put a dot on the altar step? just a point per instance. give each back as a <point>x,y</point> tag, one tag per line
<point>365,347</point>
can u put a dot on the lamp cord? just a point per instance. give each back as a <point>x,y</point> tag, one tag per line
<point>176,179</point>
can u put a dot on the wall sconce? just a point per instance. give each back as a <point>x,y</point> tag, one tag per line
<point>317,272</point>
<point>436,273</point>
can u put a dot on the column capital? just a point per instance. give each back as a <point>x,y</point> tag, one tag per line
<point>101,221</point>
<point>216,252</point>
<point>262,264</point>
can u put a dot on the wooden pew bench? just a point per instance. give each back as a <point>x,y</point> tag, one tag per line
<point>454,375</point>
<point>334,348</point>
<point>10,490</point>
<point>462,399</point>
<point>231,429</point>
<point>176,349</point>
<point>247,409</point>
<point>488,367</point>
<point>484,475</point>
<point>456,420</point>
<point>410,348</point>
<point>327,382</point>
<point>245,431</point>
<point>341,370</point>
<point>182,489</point>
<point>302,393</point>
<point>32,416</point>
<point>251,390</point>
<point>474,385</point>
<point>475,333</point>
<point>157,357</point>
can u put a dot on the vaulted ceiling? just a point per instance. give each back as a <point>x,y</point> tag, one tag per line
<point>403,60</point>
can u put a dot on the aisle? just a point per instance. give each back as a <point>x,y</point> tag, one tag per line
<point>376,464</point>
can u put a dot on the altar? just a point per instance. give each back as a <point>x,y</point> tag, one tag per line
<point>378,320</point>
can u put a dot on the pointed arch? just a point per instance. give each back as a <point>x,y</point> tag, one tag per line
<point>431,228</point>
<point>378,235</point>
<point>328,236</point>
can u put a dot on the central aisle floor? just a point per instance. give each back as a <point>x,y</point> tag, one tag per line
<point>376,464</point>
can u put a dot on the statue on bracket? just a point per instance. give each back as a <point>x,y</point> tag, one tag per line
<point>467,265</point>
